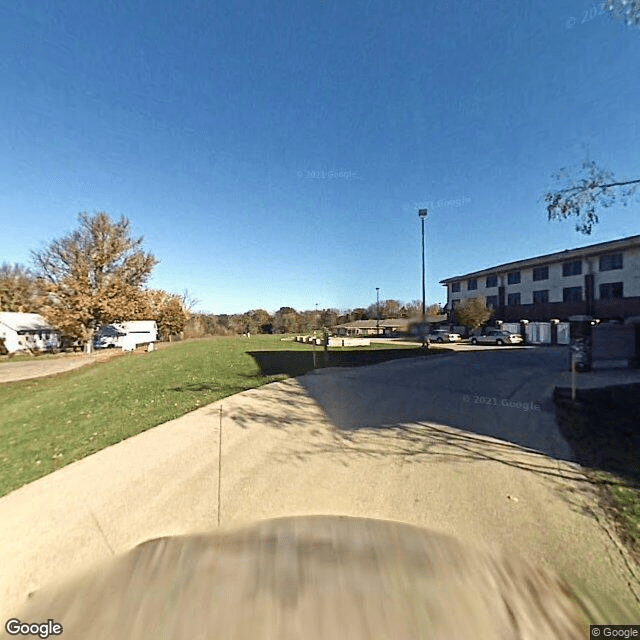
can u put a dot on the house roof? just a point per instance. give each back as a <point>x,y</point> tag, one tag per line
<point>567,254</point>
<point>24,321</point>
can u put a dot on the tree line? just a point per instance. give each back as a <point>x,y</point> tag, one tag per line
<point>290,320</point>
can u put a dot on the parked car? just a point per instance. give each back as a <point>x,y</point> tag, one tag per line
<point>497,336</point>
<point>442,335</point>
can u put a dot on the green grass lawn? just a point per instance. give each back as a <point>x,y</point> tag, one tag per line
<point>46,423</point>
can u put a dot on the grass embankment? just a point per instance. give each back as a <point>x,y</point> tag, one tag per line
<point>603,427</point>
<point>47,423</point>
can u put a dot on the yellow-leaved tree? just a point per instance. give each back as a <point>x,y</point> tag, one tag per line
<point>169,310</point>
<point>92,276</point>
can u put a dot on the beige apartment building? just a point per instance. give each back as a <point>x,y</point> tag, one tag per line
<point>599,281</point>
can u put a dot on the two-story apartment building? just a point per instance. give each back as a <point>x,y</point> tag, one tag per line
<point>600,281</point>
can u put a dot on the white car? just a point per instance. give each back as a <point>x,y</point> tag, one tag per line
<point>497,336</point>
<point>442,335</point>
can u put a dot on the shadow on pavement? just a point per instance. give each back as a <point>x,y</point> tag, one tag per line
<point>297,363</point>
<point>423,408</point>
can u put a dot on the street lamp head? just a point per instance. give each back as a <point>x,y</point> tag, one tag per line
<point>422,213</point>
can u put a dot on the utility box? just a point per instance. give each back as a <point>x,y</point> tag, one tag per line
<point>614,345</point>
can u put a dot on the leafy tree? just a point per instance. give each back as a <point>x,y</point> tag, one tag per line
<point>328,318</point>
<point>388,309</point>
<point>209,322</point>
<point>92,276</point>
<point>224,320</point>
<point>597,188</point>
<point>307,321</point>
<point>263,321</point>
<point>473,312</point>
<point>286,320</point>
<point>358,314</point>
<point>18,289</point>
<point>433,310</point>
<point>168,310</point>
<point>194,327</point>
<point>255,321</point>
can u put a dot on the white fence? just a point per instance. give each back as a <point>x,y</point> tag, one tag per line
<point>349,342</point>
<point>563,333</point>
<point>308,339</point>
<point>540,332</point>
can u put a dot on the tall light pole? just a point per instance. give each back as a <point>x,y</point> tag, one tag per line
<point>377,311</point>
<point>315,324</point>
<point>423,214</point>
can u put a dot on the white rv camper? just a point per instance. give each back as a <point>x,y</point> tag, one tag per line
<point>127,335</point>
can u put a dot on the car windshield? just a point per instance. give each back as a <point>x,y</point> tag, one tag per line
<point>358,259</point>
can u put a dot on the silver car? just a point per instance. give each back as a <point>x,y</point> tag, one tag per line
<point>442,335</point>
<point>497,336</point>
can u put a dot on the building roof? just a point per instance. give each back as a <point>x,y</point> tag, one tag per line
<point>388,323</point>
<point>24,321</point>
<point>567,254</point>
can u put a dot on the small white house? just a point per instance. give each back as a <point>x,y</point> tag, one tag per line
<point>27,331</point>
<point>127,335</point>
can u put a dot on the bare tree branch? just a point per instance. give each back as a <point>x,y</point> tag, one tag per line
<point>626,10</point>
<point>598,189</point>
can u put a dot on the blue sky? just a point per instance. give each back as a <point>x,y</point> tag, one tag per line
<point>274,153</point>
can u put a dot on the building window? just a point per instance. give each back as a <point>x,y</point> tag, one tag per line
<point>455,287</point>
<point>541,296</point>
<point>572,294</point>
<point>540,273</point>
<point>472,284</point>
<point>513,299</point>
<point>492,301</point>
<point>513,277</point>
<point>610,262</point>
<point>492,281</point>
<point>573,268</point>
<point>611,290</point>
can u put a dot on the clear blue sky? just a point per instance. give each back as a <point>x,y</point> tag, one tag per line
<point>274,153</point>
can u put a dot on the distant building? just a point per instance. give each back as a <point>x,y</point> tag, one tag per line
<point>27,332</point>
<point>598,281</point>
<point>388,327</point>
